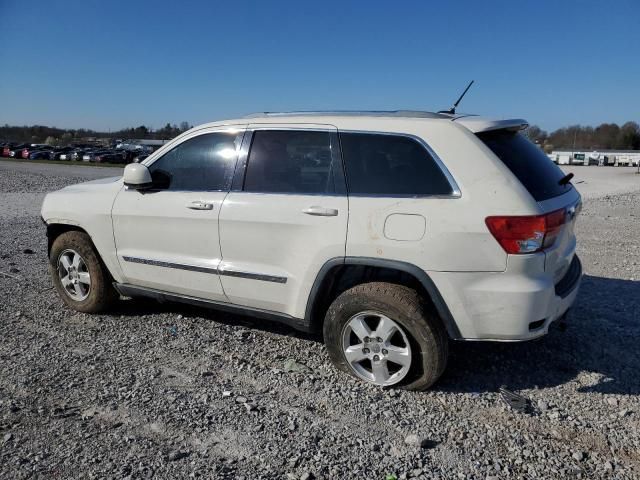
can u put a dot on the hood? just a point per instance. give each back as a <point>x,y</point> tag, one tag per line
<point>91,185</point>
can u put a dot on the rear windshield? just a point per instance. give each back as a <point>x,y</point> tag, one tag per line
<point>537,173</point>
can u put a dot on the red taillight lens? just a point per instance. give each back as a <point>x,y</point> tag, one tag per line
<point>554,220</point>
<point>526,234</point>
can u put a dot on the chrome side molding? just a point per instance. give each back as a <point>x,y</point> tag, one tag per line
<point>214,271</point>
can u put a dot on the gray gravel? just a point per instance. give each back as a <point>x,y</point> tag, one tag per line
<point>166,391</point>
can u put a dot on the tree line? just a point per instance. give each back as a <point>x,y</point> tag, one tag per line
<point>606,136</point>
<point>63,136</point>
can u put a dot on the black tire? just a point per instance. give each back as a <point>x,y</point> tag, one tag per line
<point>426,334</point>
<point>101,293</point>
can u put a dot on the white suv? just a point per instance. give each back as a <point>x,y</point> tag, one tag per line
<point>390,232</point>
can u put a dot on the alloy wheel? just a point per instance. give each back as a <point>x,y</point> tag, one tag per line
<point>74,275</point>
<point>376,348</point>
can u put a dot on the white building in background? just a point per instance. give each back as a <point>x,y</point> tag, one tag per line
<point>618,158</point>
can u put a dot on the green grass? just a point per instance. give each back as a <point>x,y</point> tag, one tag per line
<point>63,162</point>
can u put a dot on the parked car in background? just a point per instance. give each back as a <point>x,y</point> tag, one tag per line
<point>113,156</point>
<point>66,155</point>
<point>58,152</point>
<point>76,155</point>
<point>27,151</point>
<point>87,155</point>
<point>90,155</point>
<point>40,154</point>
<point>6,149</point>
<point>16,152</point>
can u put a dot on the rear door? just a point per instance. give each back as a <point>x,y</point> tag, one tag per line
<point>542,178</point>
<point>284,218</point>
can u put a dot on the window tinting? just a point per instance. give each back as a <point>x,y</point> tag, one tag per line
<point>202,163</point>
<point>537,173</point>
<point>290,162</point>
<point>379,164</point>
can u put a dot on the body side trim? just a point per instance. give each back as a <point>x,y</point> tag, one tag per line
<point>253,276</point>
<point>179,266</point>
<point>211,270</point>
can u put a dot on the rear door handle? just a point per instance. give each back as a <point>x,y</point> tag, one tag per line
<point>199,205</point>
<point>321,211</point>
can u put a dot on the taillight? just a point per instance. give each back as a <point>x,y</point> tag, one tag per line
<point>554,220</point>
<point>526,234</point>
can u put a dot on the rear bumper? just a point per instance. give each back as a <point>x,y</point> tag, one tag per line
<point>507,306</point>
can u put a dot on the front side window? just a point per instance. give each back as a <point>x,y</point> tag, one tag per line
<point>202,163</point>
<point>382,164</point>
<point>290,161</point>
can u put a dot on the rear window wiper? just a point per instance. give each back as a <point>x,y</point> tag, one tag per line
<point>566,179</point>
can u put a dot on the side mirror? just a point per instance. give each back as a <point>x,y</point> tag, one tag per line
<point>137,177</point>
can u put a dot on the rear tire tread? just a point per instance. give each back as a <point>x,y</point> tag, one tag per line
<point>412,312</point>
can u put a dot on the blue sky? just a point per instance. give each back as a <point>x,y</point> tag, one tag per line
<point>112,64</point>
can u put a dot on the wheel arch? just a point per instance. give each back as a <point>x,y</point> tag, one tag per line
<point>55,229</point>
<point>334,278</point>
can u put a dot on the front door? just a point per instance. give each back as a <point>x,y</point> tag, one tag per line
<point>284,218</point>
<point>167,237</point>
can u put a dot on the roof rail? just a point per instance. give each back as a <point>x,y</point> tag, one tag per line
<point>355,113</point>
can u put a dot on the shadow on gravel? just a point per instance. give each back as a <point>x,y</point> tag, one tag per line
<point>143,306</point>
<point>601,339</point>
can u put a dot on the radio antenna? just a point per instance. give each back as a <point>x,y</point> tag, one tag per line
<point>452,110</point>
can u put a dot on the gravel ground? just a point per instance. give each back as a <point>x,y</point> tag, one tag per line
<point>166,391</point>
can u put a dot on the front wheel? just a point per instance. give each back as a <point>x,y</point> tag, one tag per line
<point>79,276</point>
<point>387,335</point>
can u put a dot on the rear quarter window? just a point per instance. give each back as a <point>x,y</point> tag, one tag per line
<point>387,164</point>
<point>537,173</point>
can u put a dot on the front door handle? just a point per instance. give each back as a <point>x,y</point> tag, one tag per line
<point>321,211</point>
<point>199,205</point>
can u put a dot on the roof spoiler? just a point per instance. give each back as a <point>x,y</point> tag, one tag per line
<point>481,124</point>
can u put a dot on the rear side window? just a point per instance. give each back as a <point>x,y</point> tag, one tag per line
<point>290,161</point>
<point>537,173</point>
<point>380,164</point>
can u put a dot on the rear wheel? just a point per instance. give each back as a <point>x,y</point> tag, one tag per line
<point>79,276</point>
<point>387,335</point>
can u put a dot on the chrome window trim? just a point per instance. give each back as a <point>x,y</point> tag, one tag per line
<point>194,132</point>
<point>211,270</point>
<point>329,129</point>
<point>156,190</point>
<point>455,189</point>
<point>238,131</point>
